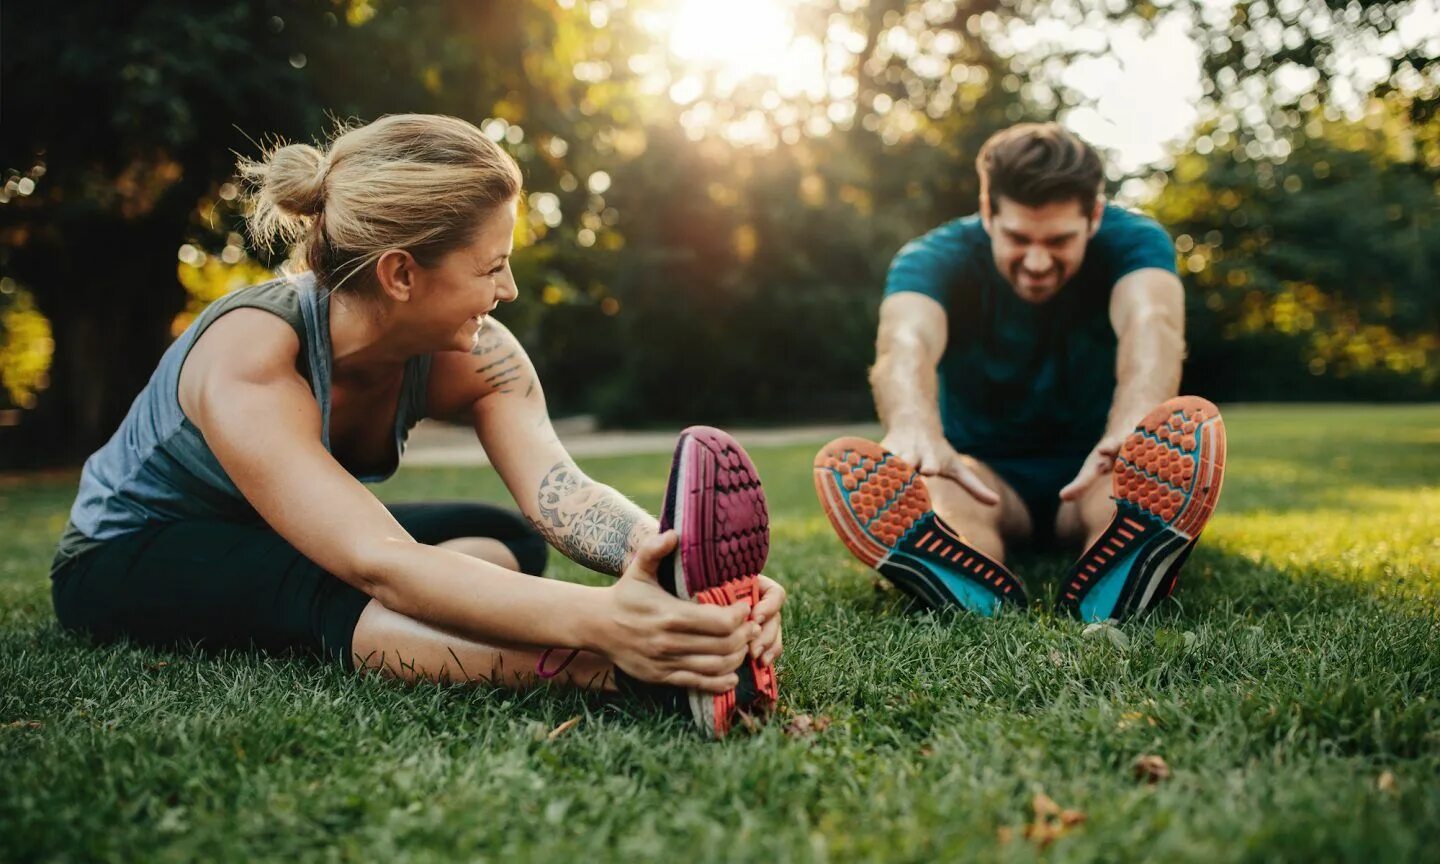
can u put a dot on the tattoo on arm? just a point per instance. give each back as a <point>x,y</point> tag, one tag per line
<point>590,523</point>
<point>502,371</point>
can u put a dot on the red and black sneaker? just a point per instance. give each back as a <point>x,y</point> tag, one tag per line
<point>715,501</point>
<point>1166,483</point>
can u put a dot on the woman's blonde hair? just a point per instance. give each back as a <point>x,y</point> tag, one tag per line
<point>418,182</point>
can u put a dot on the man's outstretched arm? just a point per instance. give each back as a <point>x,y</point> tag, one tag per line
<point>1147,310</point>
<point>911,340</point>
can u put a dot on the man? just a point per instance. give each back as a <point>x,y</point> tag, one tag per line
<point>1021,357</point>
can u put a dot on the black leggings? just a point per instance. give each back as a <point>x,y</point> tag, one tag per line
<point>226,585</point>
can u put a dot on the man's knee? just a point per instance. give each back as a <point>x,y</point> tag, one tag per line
<point>955,504</point>
<point>1010,518</point>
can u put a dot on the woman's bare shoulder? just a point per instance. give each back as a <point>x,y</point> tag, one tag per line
<point>245,344</point>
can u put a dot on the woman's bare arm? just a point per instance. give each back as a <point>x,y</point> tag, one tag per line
<point>590,522</point>
<point>240,387</point>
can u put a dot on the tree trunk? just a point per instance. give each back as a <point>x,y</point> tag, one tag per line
<point>110,307</point>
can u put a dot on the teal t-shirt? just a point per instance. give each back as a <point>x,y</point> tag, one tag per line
<point>1018,379</point>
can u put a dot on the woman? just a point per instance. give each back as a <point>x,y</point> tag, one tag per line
<point>229,506</point>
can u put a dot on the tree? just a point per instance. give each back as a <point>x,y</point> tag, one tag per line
<point>123,122</point>
<point>1323,263</point>
<point>675,209</point>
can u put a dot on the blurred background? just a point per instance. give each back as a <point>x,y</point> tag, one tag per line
<point>716,187</point>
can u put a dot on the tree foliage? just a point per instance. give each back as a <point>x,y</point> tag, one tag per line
<point>700,245</point>
<point>1325,262</point>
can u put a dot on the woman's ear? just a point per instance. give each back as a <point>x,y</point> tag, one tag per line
<point>395,273</point>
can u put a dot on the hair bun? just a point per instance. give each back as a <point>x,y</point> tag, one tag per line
<point>295,179</point>
<point>420,182</point>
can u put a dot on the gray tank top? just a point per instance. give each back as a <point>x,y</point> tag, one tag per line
<point>158,468</point>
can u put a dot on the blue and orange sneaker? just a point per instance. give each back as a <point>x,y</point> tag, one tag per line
<point>715,500</point>
<point>880,508</point>
<point>1166,483</point>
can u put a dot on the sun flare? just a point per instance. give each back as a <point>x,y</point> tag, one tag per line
<point>742,38</point>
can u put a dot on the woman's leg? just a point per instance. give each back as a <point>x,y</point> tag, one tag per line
<point>399,646</point>
<point>484,548</point>
<point>495,534</point>
<point>394,644</point>
<point>224,585</point>
<point>219,584</point>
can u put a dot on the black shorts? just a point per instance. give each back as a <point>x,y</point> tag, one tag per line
<point>227,585</point>
<point>1038,481</point>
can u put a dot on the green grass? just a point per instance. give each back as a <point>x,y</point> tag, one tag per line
<point>1298,663</point>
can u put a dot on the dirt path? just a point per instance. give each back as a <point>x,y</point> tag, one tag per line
<point>439,444</point>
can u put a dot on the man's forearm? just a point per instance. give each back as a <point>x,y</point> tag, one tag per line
<point>1147,369</point>
<point>589,522</point>
<point>905,386</point>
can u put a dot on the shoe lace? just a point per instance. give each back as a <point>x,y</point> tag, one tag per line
<point>551,673</point>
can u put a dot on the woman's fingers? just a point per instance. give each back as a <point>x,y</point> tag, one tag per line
<point>706,620</point>
<point>709,664</point>
<point>772,597</point>
<point>776,648</point>
<point>687,644</point>
<point>769,637</point>
<point>708,683</point>
<point>648,557</point>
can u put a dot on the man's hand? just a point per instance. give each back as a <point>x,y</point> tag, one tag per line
<point>1099,463</point>
<point>933,456</point>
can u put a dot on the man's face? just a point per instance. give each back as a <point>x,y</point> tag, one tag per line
<point>1038,249</point>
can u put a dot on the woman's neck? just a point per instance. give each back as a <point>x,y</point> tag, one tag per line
<point>362,346</point>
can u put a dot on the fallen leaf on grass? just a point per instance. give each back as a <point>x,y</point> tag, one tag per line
<point>159,664</point>
<point>1176,641</point>
<point>24,724</point>
<point>563,728</point>
<point>1044,805</point>
<point>1114,635</point>
<point>1150,768</point>
<point>1386,781</point>
<point>1050,824</point>
<point>1071,817</point>
<point>749,722</point>
<point>803,725</point>
<point>1133,718</point>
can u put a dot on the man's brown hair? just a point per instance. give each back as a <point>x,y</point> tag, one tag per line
<point>1039,163</point>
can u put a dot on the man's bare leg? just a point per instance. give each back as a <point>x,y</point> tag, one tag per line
<point>987,527</point>
<point>1082,521</point>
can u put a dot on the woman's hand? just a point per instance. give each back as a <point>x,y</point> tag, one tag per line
<point>662,639</point>
<point>767,646</point>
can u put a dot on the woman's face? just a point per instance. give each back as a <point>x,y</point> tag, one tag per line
<point>459,293</point>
